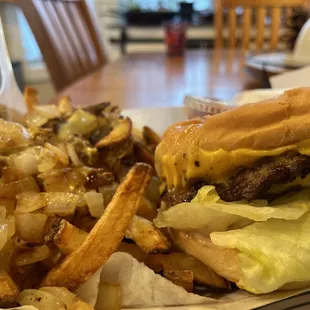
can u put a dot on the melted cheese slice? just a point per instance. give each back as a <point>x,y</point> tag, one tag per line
<point>218,165</point>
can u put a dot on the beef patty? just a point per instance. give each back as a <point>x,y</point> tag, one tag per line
<point>250,182</point>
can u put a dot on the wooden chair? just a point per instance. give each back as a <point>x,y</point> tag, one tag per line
<point>67,37</point>
<point>275,7</point>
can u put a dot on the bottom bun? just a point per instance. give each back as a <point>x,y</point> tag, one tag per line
<point>223,261</point>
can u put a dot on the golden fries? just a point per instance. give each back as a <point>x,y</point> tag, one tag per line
<point>171,264</point>
<point>120,133</point>
<point>184,278</point>
<point>8,289</point>
<point>67,237</point>
<point>143,154</point>
<point>181,261</point>
<point>150,136</point>
<point>31,97</point>
<point>134,251</point>
<point>65,106</point>
<point>149,238</point>
<point>106,235</point>
<point>147,209</point>
<point>109,297</point>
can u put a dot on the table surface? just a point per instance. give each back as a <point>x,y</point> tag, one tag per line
<point>156,80</point>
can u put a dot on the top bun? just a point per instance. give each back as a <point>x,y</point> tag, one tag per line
<point>213,148</point>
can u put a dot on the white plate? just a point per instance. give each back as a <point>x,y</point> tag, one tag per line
<point>156,118</point>
<point>276,62</point>
<point>280,59</point>
<point>270,62</point>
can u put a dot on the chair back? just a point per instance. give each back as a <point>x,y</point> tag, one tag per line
<point>67,36</point>
<point>250,11</point>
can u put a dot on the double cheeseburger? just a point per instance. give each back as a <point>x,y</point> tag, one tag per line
<point>237,191</point>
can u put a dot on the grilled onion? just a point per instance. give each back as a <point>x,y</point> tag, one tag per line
<point>40,299</point>
<point>48,110</point>
<point>95,203</point>
<point>3,233</point>
<point>61,204</point>
<point>63,180</point>
<point>10,221</point>
<point>61,293</point>
<point>10,190</point>
<point>61,155</point>
<point>28,202</point>
<point>73,155</point>
<point>32,256</point>
<point>30,226</point>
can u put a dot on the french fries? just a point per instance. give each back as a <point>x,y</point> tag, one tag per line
<point>134,251</point>
<point>150,136</point>
<point>120,133</point>
<point>31,97</point>
<point>177,267</point>
<point>143,154</point>
<point>109,297</point>
<point>147,209</point>
<point>65,236</point>
<point>106,235</point>
<point>65,106</point>
<point>149,238</point>
<point>83,194</point>
<point>184,278</point>
<point>181,261</point>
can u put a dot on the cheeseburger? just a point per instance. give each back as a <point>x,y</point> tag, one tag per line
<point>237,191</point>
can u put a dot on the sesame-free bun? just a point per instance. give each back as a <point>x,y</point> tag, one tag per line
<point>214,147</point>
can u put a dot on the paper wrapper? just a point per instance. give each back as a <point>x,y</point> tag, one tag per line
<point>143,289</point>
<point>89,290</point>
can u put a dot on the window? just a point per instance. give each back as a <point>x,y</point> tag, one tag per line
<point>31,49</point>
<point>199,5</point>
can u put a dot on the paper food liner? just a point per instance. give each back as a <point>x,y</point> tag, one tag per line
<point>141,286</point>
<point>143,289</point>
<point>90,289</point>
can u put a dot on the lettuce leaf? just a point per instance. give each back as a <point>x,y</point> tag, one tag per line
<point>272,253</point>
<point>207,211</point>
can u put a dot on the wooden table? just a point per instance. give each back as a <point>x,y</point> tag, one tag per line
<point>155,80</point>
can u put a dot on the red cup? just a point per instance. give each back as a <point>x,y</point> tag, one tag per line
<point>175,38</point>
